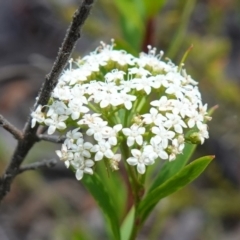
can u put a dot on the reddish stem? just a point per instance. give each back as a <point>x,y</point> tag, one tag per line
<point>149,34</point>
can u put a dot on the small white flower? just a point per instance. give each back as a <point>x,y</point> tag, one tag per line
<point>153,60</point>
<point>111,133</point>
<point>143,83</point>
<point>114,75</point>
<point>203,109</point>
<point>85,167</point>
<point>188,79</point>
<point>194,96</point>
<point>155,149</point>
<point>126,99</point>
<point>179,142</point>
<point>71,136</point>
<point>96,130</point>
<point>102,149</point>
<point>175,121</point>
<point>77,108</point>
<point>37,116</point>
<point>82,149</point>
<point>159,80</point>
<point>115,161</point>
<point>140,160</point>
<point>79,75</point>
<point>163,104</point>
<point>121,57</point>
<point>61,92</point>
<point>58,108</point>
<point>74,134</point>
<point>195,118</point>
<point>153,117</point>
<point>66,76</point>
<point>126,86</point>
<point>182,107</point>
<point>93,88</point>
<point>55,122</point>
<point>162,135</point>
<point>64,154</point>
<point>90,119</point>
<point>77,93</point>
<point>108,99</point>
<point>134,133</point>
<point>139,71</point>
<point>174,151</point>
<point>109,87</point>
<point>203,133</point>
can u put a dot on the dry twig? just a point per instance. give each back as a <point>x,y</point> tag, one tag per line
<point>29,137</point>
<point>51,138</point>
<point>10,128</point>
<point>37,165</point>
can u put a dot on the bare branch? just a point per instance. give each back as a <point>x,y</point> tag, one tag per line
<point>10,128</point>
<point>69,42</point>
<point>52,138</point>
<point>42,129</point>
<point>29,134</point>
<point>37,165</point>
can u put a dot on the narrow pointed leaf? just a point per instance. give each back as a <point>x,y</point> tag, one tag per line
<point>98,190</point>
<point>113,181</point>
<point>132,12</point>
<point>127,225</point>
<point>173,184</point>
<point>132,22</point>
<point>171,168</point>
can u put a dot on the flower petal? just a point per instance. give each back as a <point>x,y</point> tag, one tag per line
<point>132,161</point>
<point>79,174</point>
<point>141,168</point>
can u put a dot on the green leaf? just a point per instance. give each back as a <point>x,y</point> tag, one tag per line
<point>127,225</point>
<point>131,11</point>
<point>123,44</point>
<point>169,169</point>
<point>131,34</point>
<point>112,181</point>
<point>98,190</point>
<point>132,22</point>
<point>173,184</point>
<point>152,7</point>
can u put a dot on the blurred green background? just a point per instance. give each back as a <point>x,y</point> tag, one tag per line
<point>51,204</point>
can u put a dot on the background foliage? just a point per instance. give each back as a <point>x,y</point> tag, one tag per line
<point>51,204</point>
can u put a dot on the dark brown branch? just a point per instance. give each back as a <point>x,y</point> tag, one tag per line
<point>51,138</point>
<point>29,134</point>
<point>69,42</point>
<point>10,128</point>
<point>37,165</point>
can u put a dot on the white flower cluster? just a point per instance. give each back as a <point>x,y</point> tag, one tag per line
<point>117,101</point>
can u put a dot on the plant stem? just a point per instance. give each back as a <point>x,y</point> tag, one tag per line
<point>137,221</point>
<point>137,189</point>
